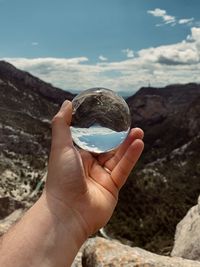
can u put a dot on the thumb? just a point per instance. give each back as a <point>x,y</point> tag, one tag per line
<point>61,134</point>
<point>66,111</point>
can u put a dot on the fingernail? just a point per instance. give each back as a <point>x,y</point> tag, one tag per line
<point>64,104</point>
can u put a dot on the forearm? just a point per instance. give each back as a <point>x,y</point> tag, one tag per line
<point>42,239</point>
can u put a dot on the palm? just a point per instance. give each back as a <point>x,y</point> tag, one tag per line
<point>105,174</point>
<point>97,204</point>
<point>111,170</point>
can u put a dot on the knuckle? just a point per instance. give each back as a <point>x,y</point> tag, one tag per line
<point>123,171</point>
<point>57,118</point>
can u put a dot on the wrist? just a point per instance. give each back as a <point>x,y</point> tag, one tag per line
<point>65,219</point>
<point>47,235</point>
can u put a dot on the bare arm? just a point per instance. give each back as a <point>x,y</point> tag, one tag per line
<point>80,195</point>
<point>41,239</point>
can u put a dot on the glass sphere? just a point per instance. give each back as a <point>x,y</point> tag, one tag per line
<point>100,120</point>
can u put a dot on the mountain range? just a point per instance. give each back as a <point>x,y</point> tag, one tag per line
<point>159,191</point>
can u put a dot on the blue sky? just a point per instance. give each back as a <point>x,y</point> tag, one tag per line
<point>119,44</point>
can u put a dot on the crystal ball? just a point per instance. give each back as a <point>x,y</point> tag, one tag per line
<point>100,120</point>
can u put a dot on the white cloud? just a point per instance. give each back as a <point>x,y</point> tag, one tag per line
<point>107,138</point>
<point>185,21</point>
<point>157,12</point>
<point>128,52</point>
<point>195,34</point>
<point>102,58</point>
<point>162,65</point>
<point>167,19</point>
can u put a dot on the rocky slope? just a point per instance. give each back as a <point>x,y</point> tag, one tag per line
<point>159,192</point>
<point>27,105</point>
<point>166,182</point>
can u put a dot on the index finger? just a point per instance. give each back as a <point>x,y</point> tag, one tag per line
<point>123,168</point>
<point>111,159</point>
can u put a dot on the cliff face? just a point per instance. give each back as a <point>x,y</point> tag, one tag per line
<point>168,116</point>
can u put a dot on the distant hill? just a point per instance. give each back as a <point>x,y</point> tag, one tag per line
<point>166,181</point>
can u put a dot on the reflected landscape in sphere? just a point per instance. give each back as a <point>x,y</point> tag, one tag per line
<point>100,120</point>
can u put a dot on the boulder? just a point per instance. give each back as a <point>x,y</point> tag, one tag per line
<point>99,252</point>
<point>78,260</point>
<point>187,237</point>
<point>7,222</point>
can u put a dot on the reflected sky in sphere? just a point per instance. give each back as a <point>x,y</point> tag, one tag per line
<point>98,139</point>
<point>100,120</point>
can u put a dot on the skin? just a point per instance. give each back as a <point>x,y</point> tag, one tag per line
<point>79,198</point>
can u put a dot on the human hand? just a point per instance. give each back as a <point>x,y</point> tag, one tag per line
<point>79,197</point>
<point>87,184</point>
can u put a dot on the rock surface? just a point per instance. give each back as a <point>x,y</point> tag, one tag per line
<point>99,252</point>
<point>187,238</point>
<point>8,221</point>
<point>78,260</point>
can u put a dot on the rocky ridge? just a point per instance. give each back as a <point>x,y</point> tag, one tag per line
<point>27,106</point>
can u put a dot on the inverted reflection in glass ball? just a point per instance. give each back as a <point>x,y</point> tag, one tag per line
<point>100,120</point>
